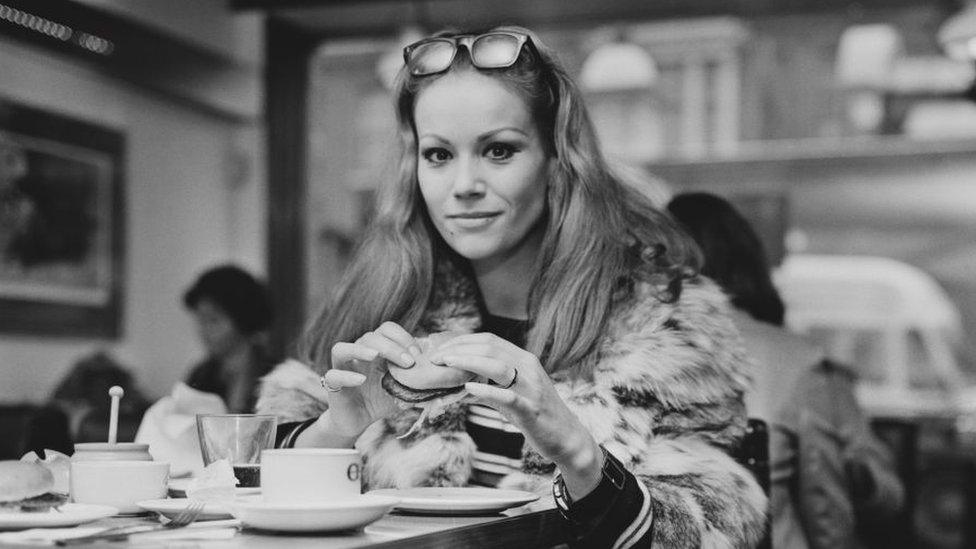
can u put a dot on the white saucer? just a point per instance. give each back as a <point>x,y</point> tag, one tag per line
<point>345,514</point>
<point>177,488</point>
<point>171,507</point>
<point>69,514</point>
<point>456,501</point>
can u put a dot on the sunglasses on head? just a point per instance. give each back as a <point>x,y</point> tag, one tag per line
<point>491,50</point>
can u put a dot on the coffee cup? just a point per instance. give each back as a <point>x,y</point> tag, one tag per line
<point>119,484</point>
<point>310,475</point>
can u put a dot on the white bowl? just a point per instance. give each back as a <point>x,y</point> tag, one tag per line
<point>120,484</point>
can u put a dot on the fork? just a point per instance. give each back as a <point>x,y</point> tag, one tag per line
<point>185,517</point>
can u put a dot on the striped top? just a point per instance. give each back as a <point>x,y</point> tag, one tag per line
<point>498,442</point>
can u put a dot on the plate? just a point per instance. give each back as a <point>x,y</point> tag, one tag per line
<point>177,488</point>
<point>69,514</point>
<point>344,514</point>
<point>456,501</point>
<point>171,507</point>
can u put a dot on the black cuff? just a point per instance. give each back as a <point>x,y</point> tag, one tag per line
<point>591,507</point>
<point>287,433</point>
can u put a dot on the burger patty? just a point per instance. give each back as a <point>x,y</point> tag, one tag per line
<point>414,396</point>
<point>36,504</point>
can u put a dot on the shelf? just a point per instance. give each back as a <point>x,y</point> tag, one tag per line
<point>817,151</point>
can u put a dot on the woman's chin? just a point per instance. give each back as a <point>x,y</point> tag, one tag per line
<point>476,251</point>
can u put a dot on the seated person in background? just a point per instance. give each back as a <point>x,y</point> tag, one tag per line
<point>83,396</point>
<point>232,310</point>
<point>828,471</point>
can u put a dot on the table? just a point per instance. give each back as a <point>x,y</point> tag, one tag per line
<point>542,530</point>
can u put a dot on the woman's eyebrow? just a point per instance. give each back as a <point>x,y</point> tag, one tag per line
<point>433,136</point>
<point>490,134</point>
<point>480,139</point>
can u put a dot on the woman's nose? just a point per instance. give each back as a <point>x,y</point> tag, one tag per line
<point>468,181</point>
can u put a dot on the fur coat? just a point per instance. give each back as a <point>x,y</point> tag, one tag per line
<point>666,399</point>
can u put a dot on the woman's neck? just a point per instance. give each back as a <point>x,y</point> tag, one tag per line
<point>505,282</point>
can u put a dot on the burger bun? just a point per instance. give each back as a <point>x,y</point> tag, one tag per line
<point>21,480</point>
<point>424,374</point>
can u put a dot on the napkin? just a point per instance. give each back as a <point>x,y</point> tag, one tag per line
<point>169,427</point>
<point>57,463</point>
<point>215,483</point>
<point>214,530</point>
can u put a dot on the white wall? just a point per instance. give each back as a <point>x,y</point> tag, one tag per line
<point>187,207</point>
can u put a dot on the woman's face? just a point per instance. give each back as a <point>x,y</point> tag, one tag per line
<point>217,331</point>
<point>481,166</point>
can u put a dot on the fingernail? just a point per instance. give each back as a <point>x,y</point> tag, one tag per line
<point>406,360</point>
<point>371,354</point>
<point>414,350</point>
<point>437,358</point>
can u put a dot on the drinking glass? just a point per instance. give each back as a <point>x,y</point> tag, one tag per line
<point>238,438</point>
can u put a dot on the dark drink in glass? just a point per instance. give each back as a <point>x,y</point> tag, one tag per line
<point>248,475</point>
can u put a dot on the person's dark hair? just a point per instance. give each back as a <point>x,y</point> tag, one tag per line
<point>734,255</point>
<point>238,294</point>
<point>89,379</point>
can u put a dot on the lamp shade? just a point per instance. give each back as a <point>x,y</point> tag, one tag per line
<point>618,66</point>
<point>958,34</point>
<point>866,56</point>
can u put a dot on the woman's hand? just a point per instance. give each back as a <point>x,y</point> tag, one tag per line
<point>356,398</point>
<point>526,396</point>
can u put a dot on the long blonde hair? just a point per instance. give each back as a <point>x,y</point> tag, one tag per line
<point>600,237</point>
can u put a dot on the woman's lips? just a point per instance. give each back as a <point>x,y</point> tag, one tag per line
<point>473,220</point>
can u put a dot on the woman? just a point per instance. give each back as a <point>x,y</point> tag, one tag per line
<point>608,363</point>
<point>830,477</point>
<point>232,311</point>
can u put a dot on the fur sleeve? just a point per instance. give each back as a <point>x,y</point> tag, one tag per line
<point>677,383</point>
<point>292,392</point>
<point>666,399</point>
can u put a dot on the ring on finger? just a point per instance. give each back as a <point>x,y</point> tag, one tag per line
<point>328,386</point>
<point>514,379</point>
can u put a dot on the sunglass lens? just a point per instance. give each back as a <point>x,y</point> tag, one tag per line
<point>431,57</point>
<point>493,51</point>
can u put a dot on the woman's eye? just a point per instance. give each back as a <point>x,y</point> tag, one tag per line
<point>500,151</point>
<point>436,155</point>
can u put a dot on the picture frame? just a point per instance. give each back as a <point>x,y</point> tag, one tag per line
<point>62,224</point>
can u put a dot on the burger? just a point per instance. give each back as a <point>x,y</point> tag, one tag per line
<point>426,381</point>
<point>27,488</point>
<point>426,385</point>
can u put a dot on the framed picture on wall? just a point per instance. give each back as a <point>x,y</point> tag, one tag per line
<point>61,224</point>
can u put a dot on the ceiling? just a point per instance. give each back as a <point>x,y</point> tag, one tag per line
<point>381,17</point>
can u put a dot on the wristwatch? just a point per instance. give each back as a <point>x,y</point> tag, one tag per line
<point>597,501</point>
